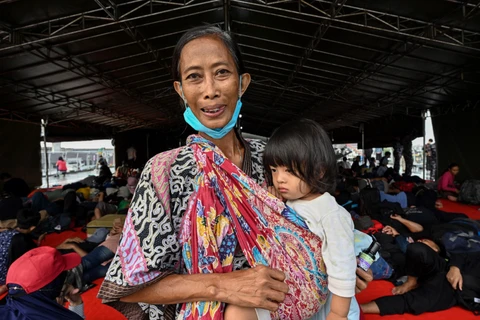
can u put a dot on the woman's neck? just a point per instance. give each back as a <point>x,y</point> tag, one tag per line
<point>230,145</point>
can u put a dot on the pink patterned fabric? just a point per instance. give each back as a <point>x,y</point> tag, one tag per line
<point>134,265</point>
<point>230,209</point>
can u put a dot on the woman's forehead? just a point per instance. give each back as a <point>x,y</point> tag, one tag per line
<point>204,52</point>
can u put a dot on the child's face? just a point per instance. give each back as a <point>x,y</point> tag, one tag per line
<point>290,186</point>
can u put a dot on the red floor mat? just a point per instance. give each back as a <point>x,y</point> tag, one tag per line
<point>94,309</point>
<point>383,288</point>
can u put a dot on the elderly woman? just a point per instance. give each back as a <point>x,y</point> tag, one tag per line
<point>148,277</point>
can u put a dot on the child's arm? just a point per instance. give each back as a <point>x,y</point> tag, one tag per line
<point>339,308</point>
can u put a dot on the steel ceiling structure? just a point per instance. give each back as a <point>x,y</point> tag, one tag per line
<point>104,65</point>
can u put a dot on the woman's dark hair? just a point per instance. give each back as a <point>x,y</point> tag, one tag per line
<point>60,158</point>
<point>451,166</point>
<point>205,31</point>
<point>27,218</point>
<point>232,47</point>
<point>305,149</point>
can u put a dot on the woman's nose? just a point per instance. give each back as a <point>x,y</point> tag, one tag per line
<point>210,89</point>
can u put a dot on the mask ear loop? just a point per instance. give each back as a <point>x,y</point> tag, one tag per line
<point>237,125</point>
<point>183,97</point>
<point>239,88</point>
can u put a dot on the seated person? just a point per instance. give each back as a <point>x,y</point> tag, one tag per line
<point>95,264</point>
<point>37,289</point>
<point>383,166</point>
<point>15,186</point>
<point>14,243</point>
<point>446,183</point>
<point>122,171</point>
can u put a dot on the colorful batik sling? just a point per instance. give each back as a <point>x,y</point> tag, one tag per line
<point>229,208</point>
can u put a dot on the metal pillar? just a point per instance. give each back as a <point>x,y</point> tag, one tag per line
<point>424,118</point>
<point>362,130</point>
<point>44,126</point>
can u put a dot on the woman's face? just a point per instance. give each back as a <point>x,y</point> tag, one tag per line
<point>210,81</point>
<point>455,170</point>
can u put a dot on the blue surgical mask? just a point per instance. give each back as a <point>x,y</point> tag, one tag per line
<point>218,133</point>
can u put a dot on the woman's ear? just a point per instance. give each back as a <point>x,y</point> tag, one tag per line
<point>246,79</point>
<point>178,88</point>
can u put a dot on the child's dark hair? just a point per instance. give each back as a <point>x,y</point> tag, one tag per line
<point>305,149</point>
<point>26,218</point>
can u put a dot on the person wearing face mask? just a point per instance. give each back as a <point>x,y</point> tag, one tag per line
<point>161,270</point>
<point>37,290</point>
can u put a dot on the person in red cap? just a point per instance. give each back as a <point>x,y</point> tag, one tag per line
<point>36,285</point>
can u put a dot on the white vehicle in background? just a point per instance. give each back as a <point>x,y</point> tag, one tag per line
<point>75,165</point>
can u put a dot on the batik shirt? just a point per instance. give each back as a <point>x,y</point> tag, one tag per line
<point>157,231</point>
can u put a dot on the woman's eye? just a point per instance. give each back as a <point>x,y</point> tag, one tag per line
<point>223,72</point>
<point>193,76</point>
<point>273,169</point>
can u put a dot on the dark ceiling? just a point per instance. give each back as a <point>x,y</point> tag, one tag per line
<point>103,66</point>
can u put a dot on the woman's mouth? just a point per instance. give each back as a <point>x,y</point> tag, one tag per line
<point>213,111</point>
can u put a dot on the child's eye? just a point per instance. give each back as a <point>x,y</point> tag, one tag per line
<point>273,169</point>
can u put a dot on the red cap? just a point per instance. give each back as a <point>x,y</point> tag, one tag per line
<point>40,266</point>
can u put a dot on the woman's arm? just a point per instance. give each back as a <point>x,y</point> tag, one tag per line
<point>259,287</point>
<point>412,226</point>
<point>447,182</point>
<point>76,248</point>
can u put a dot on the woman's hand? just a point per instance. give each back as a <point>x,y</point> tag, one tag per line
<point>396,217</point>
<point>72,295</point>
<point>259,287</point>
<point>41,238</point>
<point>363,278</point>
<point>390,230</point>
<point>3,289</point>
<point>454,276</point>
<point>75,239</point>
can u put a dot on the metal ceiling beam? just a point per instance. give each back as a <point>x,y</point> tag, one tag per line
<point>113,11</point>
<point>84,69</point>
<point>265,40</point>
<point>389,101</point>
<point>350,45</point>
<point>76,105</point>
<point>383,76</point>
<point>226,15</point>
<point>378,22</point>
<point>340,81</point>
<point>61,27</point>
<point>335,7</point>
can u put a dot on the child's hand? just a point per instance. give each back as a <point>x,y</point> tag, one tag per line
<point>333,316</point>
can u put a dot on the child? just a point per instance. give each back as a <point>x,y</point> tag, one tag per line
<point>300,160</point>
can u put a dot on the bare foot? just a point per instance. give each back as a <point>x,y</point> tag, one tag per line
<point>404,288</point>
<point>452,198</point>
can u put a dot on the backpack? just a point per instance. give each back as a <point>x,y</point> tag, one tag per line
<point>469,296</point>
<point>470,192</point>
<point>461,242</point>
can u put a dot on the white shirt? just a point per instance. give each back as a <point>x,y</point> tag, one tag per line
<point>334,225</point>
